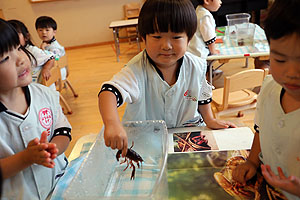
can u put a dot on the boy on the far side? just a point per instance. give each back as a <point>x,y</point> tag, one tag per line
<point>46,28</point>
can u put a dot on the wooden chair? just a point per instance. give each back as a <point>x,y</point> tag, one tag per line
<point>56,78</point>
<point>131,11</point>
<point>236,94</point>
<point>63,63</point>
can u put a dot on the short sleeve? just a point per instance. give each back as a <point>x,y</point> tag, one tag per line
<point>205,93</point>
<point>207,29</point>
<point>126,83</point>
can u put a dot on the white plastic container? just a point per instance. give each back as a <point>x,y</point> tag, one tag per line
<point>232,20</point>
<point>102,177</point>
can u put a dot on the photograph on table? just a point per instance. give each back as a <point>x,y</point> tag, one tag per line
<point>208,175</point>
<point>194,141</point>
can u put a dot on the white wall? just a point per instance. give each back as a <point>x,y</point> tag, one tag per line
<point>80,22</point>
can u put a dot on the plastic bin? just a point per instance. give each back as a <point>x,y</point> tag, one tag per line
<point>245,34</point>
<point>232,20</point>
<point>101,177</point>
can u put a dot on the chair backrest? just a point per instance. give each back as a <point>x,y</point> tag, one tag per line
<point>242,80</point>
<point>132,10</point>
<point>54,78</point>
<point>63,61</point>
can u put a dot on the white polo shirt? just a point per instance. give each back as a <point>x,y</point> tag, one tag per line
<point>149,97</point>
<point>279,132</point>
<point>205,33</point>
<point>17,130</point>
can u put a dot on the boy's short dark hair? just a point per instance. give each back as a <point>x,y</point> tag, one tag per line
<point>283,19</point>
<point>163,15</point>
<point>45,22</point>
<point>201,2</point>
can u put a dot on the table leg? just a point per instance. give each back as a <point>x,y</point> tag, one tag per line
<point>116,39</point>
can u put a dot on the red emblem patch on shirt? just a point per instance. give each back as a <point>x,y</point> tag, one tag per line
<point>45,118</point>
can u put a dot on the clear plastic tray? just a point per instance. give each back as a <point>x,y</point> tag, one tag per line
<point>102,177</point>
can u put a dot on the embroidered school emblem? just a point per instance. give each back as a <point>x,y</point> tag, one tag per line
<point>45,118</point>
<point>188,96</point>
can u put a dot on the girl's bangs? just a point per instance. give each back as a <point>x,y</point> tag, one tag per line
<point>9,38</point>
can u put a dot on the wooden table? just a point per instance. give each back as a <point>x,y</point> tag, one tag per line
<point>117,25</point>
<point>230,50</point>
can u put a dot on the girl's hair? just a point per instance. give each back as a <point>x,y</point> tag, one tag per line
<point>21,28</point>
<point>9,39</point>
<point>45,22</point>
<point>163,15</point>
<point>283,19</point>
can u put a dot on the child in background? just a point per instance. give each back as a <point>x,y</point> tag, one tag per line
<point>203,42</point>
<point>30,116</point>
<point>46,28</point>
<point>277,138</point>
<point>163,82</point>
<point>44,61</point>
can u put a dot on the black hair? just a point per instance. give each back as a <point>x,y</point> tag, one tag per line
<point>200,2</point>
<point>21,28</point>
<point>45,22</point>
<point>163,15</point>
<point>283,19</point>
<point>9,39</point>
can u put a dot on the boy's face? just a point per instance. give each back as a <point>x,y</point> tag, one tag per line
<point>14,70</point>
<point>285,63</point>
<point>165,49</point>
<point>212,5</point>
<point>46,34</point>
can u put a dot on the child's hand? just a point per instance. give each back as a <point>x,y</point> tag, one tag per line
<point>44,45</point>
<point>243,172</point>
<point>215,52</point>
<point>218,124</point>
<point>116,137</point>
<point>36,152</point>
<point>46,73</point>
<point>290,184</point>
<point>51,146</point>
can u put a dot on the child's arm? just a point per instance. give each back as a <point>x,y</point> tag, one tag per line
<point>44,45</point>
<point>290,184</point>
<point>212,48</point>
<point>35,153</point>
<point>114,133</point>
<point>61,144</point>
<point>46,69</point>
<point>247,170</point>
<point>209,119</point>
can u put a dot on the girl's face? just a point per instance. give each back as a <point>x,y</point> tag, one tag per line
<point>212,5</point>
<point>14,70</point>
<point>165,49</point>
<point>285,63</point>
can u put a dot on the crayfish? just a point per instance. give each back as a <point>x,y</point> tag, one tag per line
<point>131,156</point>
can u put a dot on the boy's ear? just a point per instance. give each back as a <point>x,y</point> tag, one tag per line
<point>206,2</point>
<point>54,31</point>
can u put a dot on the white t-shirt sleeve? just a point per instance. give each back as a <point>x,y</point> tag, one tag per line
<point>126,83</point>
<point>207,28</point>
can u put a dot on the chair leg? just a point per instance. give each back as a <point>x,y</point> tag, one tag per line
<point>69,110</point>
<point>71,87</point>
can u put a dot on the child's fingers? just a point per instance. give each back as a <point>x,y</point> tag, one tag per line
<point>44,137</point>
<point>280,173</point>
<point>33,142</point>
